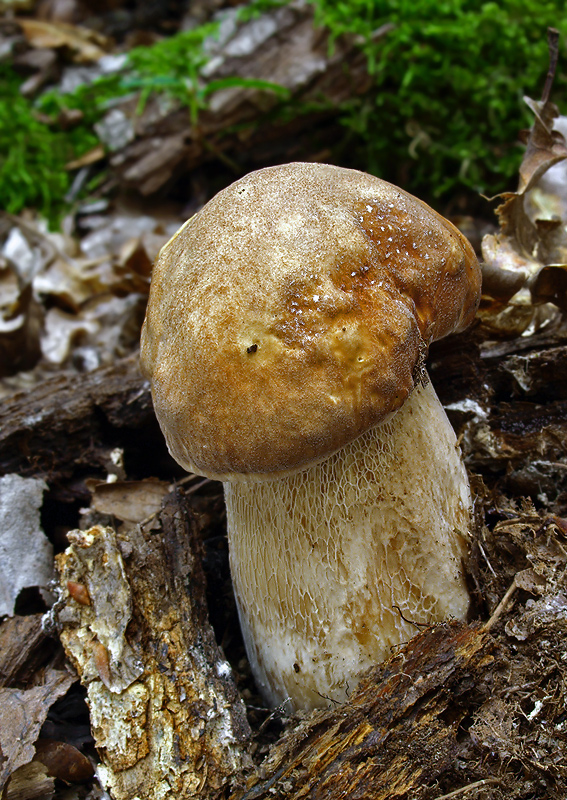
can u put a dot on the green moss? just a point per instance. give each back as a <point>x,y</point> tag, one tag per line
<point>33,154</point>
<point>444,110</point>
<point>36,148</point>
<point>449,78</point>
<point>171,66</point>
<point>255,8</point>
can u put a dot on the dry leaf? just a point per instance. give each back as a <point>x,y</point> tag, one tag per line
<point>21,316</point>
<point>63,761</point>
<point>20,324</point>
<point>85,44</point>
<point>94,292</point>
<point>526,261</point>
<point>129,501</point>
<point>23,712</point>
<point>105,329</point>
<point>70,282</point>
<point>530,581</point>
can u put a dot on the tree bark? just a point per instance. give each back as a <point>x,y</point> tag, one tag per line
<point>397,733</point>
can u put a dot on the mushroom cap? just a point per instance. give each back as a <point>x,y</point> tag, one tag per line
<point>293,312</point>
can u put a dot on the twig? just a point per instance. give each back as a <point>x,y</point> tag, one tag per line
<point>490,567</point>
<point>465,789</point>
<point>278,712</point>
<point>501,607</point>
<point>198,486</point>
<point>552,42</point>
<point>187,479</point>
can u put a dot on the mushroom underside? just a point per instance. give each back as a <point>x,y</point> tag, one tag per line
<point>336,565</point>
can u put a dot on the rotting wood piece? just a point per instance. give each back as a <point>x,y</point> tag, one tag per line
<point>397,733</point>
<point>165,712</point>
<point>63,421</point>
<point>284,45</point>
<point>24,648</point>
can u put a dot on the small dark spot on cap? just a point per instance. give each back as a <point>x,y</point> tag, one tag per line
<point>252,348</point>
<point>296,667</point>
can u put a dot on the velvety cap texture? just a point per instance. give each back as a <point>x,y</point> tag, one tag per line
<point>290,314</point>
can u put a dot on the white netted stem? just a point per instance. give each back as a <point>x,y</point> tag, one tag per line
<point>333,566</point>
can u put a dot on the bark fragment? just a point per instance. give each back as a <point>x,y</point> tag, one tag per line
<point>63,421</point>
<point>165,713</point>
<point>397,733</point>
<point>24,647</point>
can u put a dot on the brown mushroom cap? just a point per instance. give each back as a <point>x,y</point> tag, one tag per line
<point>289,315</point>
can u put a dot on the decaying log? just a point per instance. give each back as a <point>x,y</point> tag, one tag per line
<point>283,47</point>
<point>397,733</point>
<point>178,729</point>
<point>63,423</point>
<point>165,713</point>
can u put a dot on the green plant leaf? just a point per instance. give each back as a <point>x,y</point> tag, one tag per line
<point>244,83</point>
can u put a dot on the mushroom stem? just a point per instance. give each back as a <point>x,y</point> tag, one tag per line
<point>335,566</point>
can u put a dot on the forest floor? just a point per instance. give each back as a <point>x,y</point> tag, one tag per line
<point>471,710</point>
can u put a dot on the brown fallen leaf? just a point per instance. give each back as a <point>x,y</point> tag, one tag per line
<point>129,501</point>
<point>105,328</point>
<point>526,261</point>
<point>21,316</point>
<point>23,712</point>
<point>30,782</point>
<point>85,44</point>
<point>63,761</point>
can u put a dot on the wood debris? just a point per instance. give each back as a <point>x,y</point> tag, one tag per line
<point>166,717</point>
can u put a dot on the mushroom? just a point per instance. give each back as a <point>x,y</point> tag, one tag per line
<point>285,339</point>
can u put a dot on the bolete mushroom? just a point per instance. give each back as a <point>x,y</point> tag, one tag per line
<point>285,339</point>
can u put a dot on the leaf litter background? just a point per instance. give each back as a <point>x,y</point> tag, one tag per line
<point>79,447</point>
